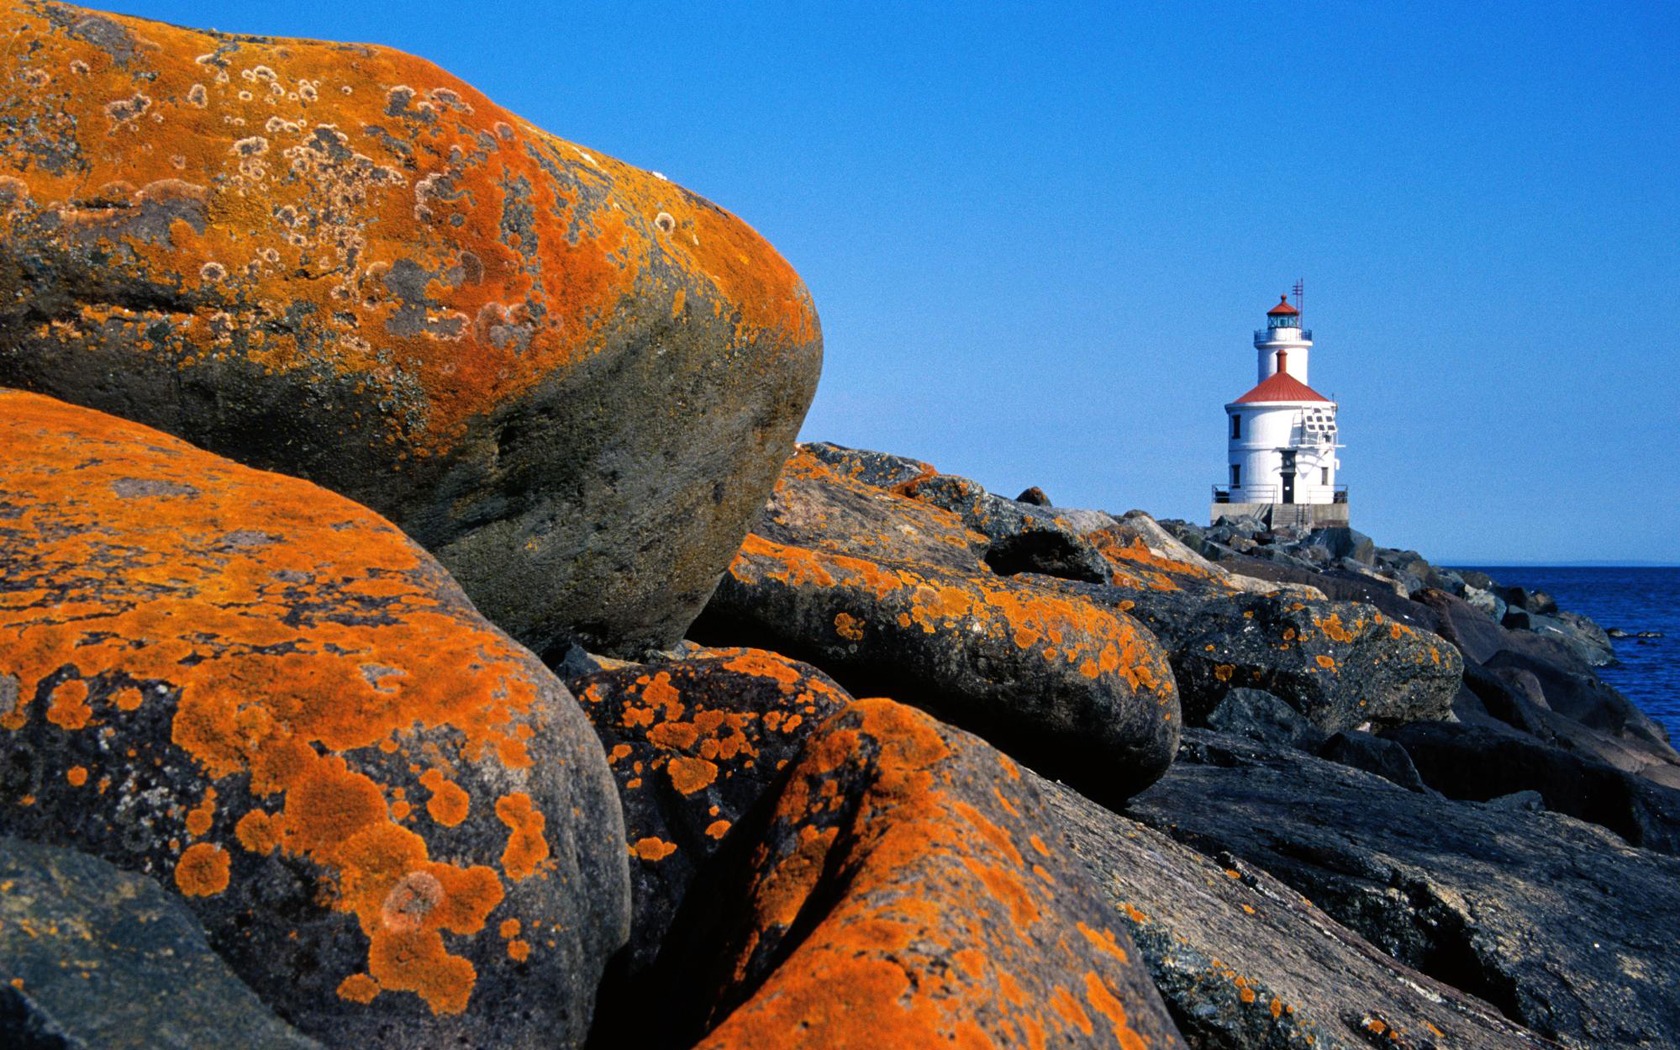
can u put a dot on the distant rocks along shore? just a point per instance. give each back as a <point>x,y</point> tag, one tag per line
<point>418,627</point>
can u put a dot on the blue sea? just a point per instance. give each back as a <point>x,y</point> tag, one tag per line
<point>1634,599</point>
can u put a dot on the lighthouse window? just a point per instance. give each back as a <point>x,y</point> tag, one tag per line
<point>1236,475</point>
<point>1324,475</point>
<point>1236,427</point>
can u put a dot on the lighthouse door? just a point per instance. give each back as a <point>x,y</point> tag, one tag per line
<point>1289,477</point>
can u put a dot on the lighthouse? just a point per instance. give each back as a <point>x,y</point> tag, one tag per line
<point>1281,436</point>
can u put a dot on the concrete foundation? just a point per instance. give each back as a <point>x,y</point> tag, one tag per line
<point>1274,515</point>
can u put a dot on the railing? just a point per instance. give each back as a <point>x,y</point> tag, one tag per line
<point>1250,494</point>
<point>1269,494</point>
<point>1264,335</point>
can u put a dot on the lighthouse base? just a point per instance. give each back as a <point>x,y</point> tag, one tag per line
<point>1277,515</point>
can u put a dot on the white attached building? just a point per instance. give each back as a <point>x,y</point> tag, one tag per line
<point>1282,436</point>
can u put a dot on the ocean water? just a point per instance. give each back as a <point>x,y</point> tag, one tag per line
<point>1634,599</point>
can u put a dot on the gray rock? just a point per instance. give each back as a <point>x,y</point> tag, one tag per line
<point>1560,924</point>
<point>1258,715</point>
<point>93,958</point>
<point>1479,763</point>
<point>1245,961</point>
<point>1342,542</point>
<point>1373,754</point>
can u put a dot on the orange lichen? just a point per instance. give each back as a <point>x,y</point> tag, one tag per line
<point>258,832</point>
<point>202,870</point>
<point>222,573</point>
<point>526,847</point>
<point>1326,662</point>
<point>76,775</point>
<point>689,775</point>
<point>1333,628</point>
<point>717,829</point>
<point>358,988</point>
<point>652,849</point>
<point>519,950</point>
<point>416,961</point>
<point>200,817</point>
<point>848,627</point>
<point>448,804</point>
<point>67,707</point>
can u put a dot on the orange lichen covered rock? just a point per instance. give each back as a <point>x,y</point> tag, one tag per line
<point>1080,692</point>
<point>905,893</point>
<point>694,743</point>
<point>263,683</point>
<point>341,262</point>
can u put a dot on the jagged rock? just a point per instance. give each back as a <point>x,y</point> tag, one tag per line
<point>694,743</point>
<point>1480,763</point>
<point>905,892</point>
<point>1476,634</point>
<point>1078,691</point>
<point>1374,754</point>
<point>881,470</point>
<point>1244,961</point>
<point>1590,641</point>
<point>1024,538</point>
<point>570,379</point>
<point>1558,923</point>
<point>1258,715</point>
<point>92,958</point>
<point>275,702</point>
<point>1035,496</point>
<point>1538,602</point>
<point>1571,689</point>
<point>821,505</point>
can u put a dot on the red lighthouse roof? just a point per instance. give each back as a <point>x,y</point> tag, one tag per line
<point>1282,308</point>
<point>1281,386</point>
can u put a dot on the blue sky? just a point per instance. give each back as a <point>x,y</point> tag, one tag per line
<point>1040,236</point>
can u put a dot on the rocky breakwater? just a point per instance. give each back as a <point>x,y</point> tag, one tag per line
<point>392,821</point>
<point>571,380</point>
<point>1293,918</point>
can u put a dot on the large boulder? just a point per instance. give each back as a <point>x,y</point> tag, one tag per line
<point>1244,961</point>
<point>905,891</point>
<point>92,958</point>
<point>1559,924</point>
<point>392,820</point>
<point>1079,692</point>
<point>571,380</point>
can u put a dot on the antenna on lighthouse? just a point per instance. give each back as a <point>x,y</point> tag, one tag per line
<point>1301,299</point>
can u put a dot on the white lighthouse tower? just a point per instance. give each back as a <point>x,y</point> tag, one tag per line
<point>1282,436</point>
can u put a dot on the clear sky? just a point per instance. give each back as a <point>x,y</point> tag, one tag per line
<point>1040,235</point>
